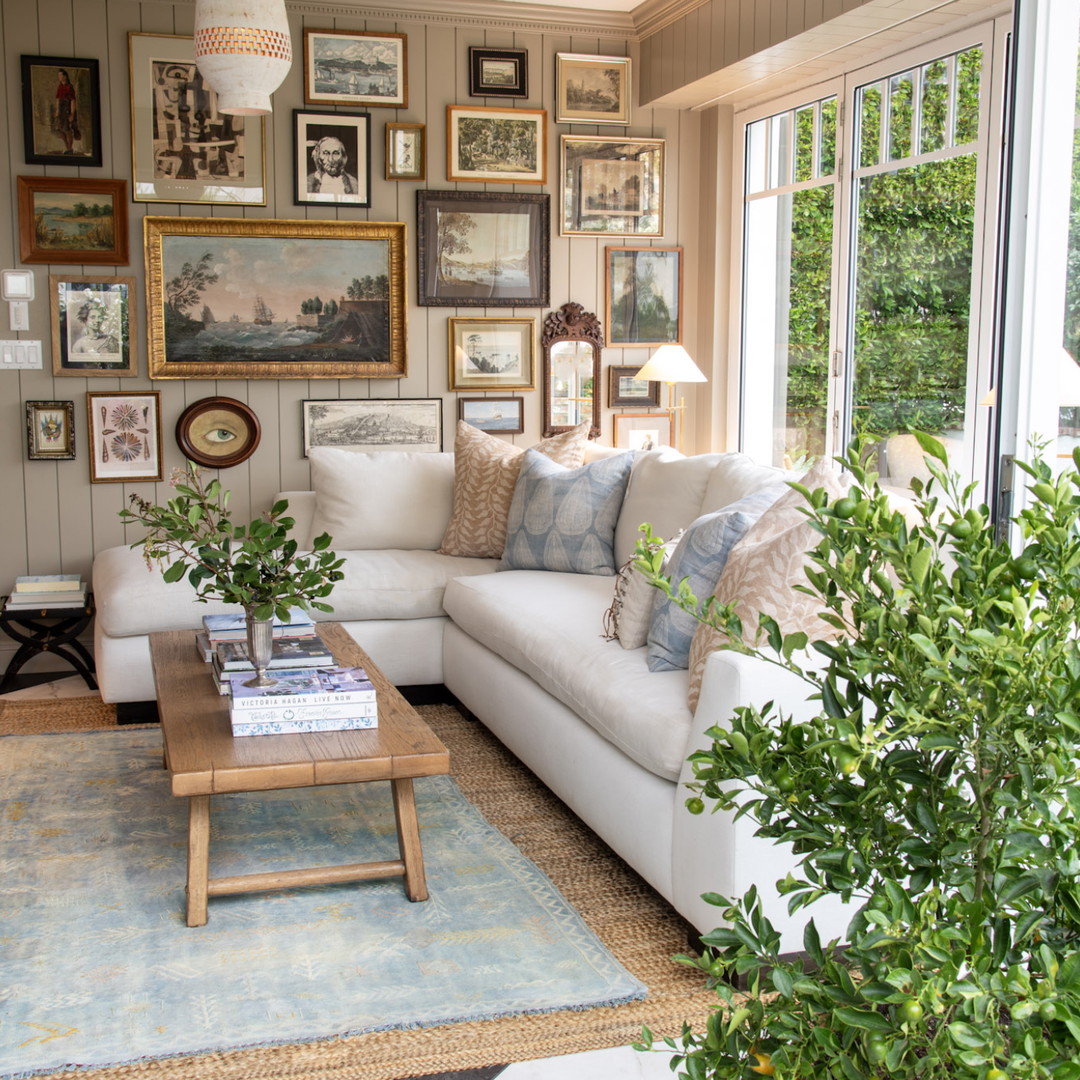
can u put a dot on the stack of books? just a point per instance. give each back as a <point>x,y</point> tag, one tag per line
<point>303,700</point>
<point>40,592</point>
<point>220,628</point>
<point>302,652</point>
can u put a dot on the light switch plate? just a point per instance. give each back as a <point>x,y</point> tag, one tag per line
<point>20,355</point>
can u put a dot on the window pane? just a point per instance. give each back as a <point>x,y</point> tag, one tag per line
<point>828,137</point>
<point>933,125</point>
<point>804,144</point>
<point>900,101</point>
<point>870,125</point>
<point>969,70</point>
<point>1069,370</point>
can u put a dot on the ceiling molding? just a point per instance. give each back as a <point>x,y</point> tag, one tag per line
<point>652,16</point>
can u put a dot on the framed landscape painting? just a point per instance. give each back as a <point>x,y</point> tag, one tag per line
<point>592,89</point>
<point>69,221</point>
<point>492,353</point>
<point>365,425</point>
<point>612,185</point>
<point>61,111</point>
<point>498,72</point>
<point>625,390</point>
<point>483,249</point>
<point>125,436</point>
<point>255,298</point>
<point>644,296</point>
<point>500,146</point>
<point>91,325</point>
<point>356,67</point>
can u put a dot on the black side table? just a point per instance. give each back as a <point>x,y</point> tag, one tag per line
<point>52,630</point>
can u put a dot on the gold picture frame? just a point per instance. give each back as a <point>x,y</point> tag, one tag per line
<point>491,353</point>
<point>325,299</point>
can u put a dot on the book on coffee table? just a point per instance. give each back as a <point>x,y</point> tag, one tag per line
<point>286,653</point>
<point>301,686</point>
<point>230,627</point>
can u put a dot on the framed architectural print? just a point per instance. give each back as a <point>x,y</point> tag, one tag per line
<point>253,298</point>
<point>499,146</point>
<point>366,425</point>
<point>67,221</point>
<point>592,89</point>
<point>406,152</point>
<point>331,158</point>
<point>492,353</point>
<point>183,148</point>
<point>644,296</point>
<point>642,431</point>
<point>125,436</point>
<point>61,111</point>
<point>356,67</point>
<point>50,430</point>
<point>483,249</point>
<point>498,72</point>
<point>218,432</point>
<point>625,390</point>
<point>91,325</point>
<point>611,185</point>
<point>498,415</point>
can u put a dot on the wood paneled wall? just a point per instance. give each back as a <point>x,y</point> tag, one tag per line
<point>52,519</point>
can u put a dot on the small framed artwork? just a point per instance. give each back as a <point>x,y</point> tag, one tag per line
<point>332,158</point>
<point>492,353</point>
<point>483,249</point>
<point>218,432</point>
<point>406,152</point>
<point>499,415</point>
<point>498,72</point>
<point>367,425</point>
<point>73,221</point>
<point>183,148</point>
<point>61,111</point>
<point>500,146</point>
<point>644,296</point>
<point>642,431</point>
<point>125,436</point>
<point>592,89</point>
<point>612,185</point>
<point>625,390</point>
<point>356,67</point>
<point>50,430</point>
<point>91,325</point>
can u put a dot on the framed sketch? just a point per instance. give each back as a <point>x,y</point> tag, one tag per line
<point>356,67</point>
<point>218,432</point>
<point>499,415</point>
<point>626,391</point>
<point>73,221</point>
<point>496,146</point>
<point>644,296</point>
<point>592,89</point>
<point>125,436</point>
<point>61,111</point>
<point>256,298</point>
<point>91,325</point>
<point>483,249</point>
<point>642,431</point>
<point>492,353</point>
<point>332,158</point>
<point>183,148</point>
<point>50,430</point>
<point>365,425</point>
<point>611,185</point>
<point>498,72</point>
<point>406,152</point>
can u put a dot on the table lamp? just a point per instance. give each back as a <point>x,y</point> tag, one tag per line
<point>672,364</point>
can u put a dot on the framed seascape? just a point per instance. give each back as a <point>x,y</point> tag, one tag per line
<point>125,436</point>
<point>483,249</point>
<point>50,430</point>
<point>492,354</point>
<point>332,158</point>
<point>365,425</point>
<point>592,89</point>
<point>356,67</point>
<point>500,146</point>
<point>69,221</point>
<point>61,111</point>
<point>248,299</point>
<point>498,415</point>
<point>91,325</point>
<point>183,148</point>
<point>611,185</point>
<point>644,296</point>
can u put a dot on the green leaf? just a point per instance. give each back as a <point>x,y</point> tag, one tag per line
<point>864,1019</point>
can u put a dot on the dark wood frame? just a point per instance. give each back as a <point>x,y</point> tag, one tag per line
<point>66,452</point>
<point>30,251</point>
<point>360,405</point>
<point>478,88</point>
<point>91,123</point>
<point>476,203</point>
<point>313,97</point>
<point>360,124</point>
<point>239,415</point>
<point>614,326</point>
<point>458,380</point>
<point>571,323</point>
<point>455,170</point>
<point>99,449</point>
<point>516,402</point>
<point>420,172</point>
<point>616,373</point>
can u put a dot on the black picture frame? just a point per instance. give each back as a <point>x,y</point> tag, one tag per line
<point>44,133</point>
<point>474,218</point>
<point>311,129</point>
<point>498,72</point>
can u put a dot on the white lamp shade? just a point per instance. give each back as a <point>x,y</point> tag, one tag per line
<point>243,50</point>
<point>671,364</point>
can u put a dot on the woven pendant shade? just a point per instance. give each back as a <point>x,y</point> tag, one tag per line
<point>243,50</point>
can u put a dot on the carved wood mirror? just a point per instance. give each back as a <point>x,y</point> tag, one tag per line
<point>571,342</point>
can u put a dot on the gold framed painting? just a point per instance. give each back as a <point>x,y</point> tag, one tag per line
<point>232,298</point>
<point>492,354</point>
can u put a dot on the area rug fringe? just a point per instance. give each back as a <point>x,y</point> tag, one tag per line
<point>641,929</point>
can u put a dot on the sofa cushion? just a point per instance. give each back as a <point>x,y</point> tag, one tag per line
<point>564,519</point>
<point>545,624</point>
<point>485,473</point>
<point>627,619</point>
<point>392,499</point>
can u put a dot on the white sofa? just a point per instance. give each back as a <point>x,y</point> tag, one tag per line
<point>524,651</point>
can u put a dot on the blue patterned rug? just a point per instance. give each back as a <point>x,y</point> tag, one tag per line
<point>97,966</point>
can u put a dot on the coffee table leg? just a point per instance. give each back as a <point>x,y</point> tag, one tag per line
<point>409,839</point>
<point>198,872</point>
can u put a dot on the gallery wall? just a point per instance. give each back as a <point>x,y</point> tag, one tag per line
<point>53,518</point>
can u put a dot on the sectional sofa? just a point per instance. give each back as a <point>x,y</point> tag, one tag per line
<point>504,576</point>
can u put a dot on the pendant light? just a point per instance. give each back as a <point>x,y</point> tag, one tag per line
<point>243,50</point>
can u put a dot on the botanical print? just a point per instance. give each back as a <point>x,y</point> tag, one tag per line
<point>125,436</point>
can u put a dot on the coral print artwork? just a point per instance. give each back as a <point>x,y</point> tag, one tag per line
<point>125,437</point>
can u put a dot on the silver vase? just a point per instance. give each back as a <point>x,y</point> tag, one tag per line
<point>260,646</point>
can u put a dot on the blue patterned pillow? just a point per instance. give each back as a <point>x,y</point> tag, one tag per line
<point>700,557</point>
<point>564,519</point>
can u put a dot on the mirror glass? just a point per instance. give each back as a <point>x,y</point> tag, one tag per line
<point>571,342</point>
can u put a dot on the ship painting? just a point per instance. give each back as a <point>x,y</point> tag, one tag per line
<point>263,315</point>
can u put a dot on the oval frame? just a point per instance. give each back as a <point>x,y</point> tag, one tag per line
<point>196,449</point>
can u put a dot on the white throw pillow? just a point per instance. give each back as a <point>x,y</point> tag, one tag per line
<point>630,615</point>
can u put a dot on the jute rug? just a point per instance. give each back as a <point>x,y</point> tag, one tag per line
<point>636,925</point>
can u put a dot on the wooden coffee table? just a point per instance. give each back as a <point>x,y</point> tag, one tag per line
<point>204,759</point>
